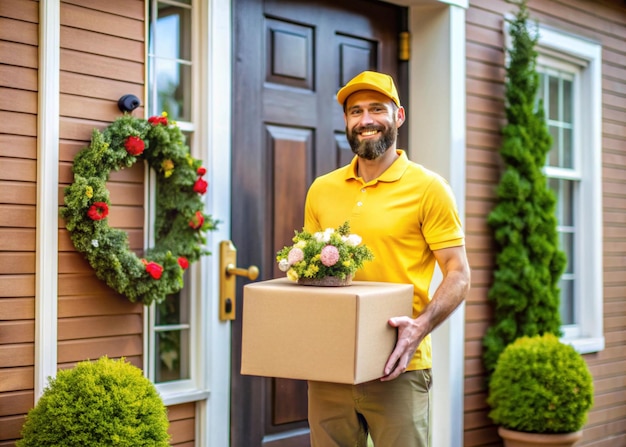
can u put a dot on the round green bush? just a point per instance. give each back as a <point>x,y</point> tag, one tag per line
<point>540,385</point>
<point>102,403</point>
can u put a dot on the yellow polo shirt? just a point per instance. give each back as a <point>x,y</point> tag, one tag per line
<point>402,216</point>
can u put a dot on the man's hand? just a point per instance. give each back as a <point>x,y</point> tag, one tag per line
<point>450,293</point>
<point>410,335</point>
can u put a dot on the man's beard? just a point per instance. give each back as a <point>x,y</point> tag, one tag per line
<point>372,149</point>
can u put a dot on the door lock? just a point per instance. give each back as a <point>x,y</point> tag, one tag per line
<point>228,279</point>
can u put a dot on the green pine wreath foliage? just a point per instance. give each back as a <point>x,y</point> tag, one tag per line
<point>525,291</point>
<point>540,385</point>
<point>102,403</point>
<point>180,223</point>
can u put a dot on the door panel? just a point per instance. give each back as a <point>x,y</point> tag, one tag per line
<point>291,57</point>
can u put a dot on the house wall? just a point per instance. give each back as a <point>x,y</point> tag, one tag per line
<point>604,22</point>
<point>18,208</point>
<point>102,57</point>
<point>182,424</point>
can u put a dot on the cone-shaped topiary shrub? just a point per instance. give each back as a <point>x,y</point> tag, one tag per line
<point>102,403</point>
<point>540,385</point>
<point>529,263</point>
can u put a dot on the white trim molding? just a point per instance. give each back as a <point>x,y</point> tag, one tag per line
<point>436,118</point>
<point>215,137</point>
<point>46,278</point>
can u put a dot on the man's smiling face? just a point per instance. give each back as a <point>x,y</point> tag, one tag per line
<point>372,123</point>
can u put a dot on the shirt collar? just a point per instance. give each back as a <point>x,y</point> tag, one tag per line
<point>392,174</point>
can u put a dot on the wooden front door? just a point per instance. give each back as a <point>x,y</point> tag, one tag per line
<point>290,58</point>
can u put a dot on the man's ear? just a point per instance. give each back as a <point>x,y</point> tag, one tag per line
<point>400,116</point>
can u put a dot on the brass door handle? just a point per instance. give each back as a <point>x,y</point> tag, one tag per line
<point>228,279</point>
<point>251,272</point>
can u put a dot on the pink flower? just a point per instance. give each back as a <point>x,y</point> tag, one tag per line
<point>329,255</point>
<point>183,262</point>
<point>134,145</point>
<point>200,186</point>
<point>98,211</point>
<point>295,255</point>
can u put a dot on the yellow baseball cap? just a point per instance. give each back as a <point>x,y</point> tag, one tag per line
<point>369,80</point>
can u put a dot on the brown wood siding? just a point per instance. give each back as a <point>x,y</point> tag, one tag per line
<point>604,22</point>
<point>19,29</point>
<point>182,424</point>
<point>102,59</point>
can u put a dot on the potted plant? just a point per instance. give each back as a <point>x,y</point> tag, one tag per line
<point>540,393</point>
<point>106,402</point>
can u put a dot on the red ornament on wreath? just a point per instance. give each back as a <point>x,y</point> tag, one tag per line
<point>153,269</point>
<point>180,223</point>
<point>98,211</point>
<point>200,186</point>
<point>134,145</point>
<point>183,262</point>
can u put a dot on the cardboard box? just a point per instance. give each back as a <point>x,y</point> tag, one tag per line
<point>329,334</point>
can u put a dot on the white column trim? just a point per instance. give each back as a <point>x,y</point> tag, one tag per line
<point>46,277</point>
<point>214,417</point>
<point>437,121</point>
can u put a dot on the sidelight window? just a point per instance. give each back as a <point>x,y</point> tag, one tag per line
<point>171,326</point>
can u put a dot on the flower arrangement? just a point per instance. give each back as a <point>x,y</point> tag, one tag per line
<point>180,222</point>
<point>332,253</point>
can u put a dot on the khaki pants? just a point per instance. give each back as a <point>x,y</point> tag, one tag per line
<point>393,413</point>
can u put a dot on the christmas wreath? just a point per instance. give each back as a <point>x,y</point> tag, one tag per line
<point>180,223</point>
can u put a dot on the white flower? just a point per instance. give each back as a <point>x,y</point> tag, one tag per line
<point>353,239</point>
<point>95,243</point>
<point>325,236</point>
<point>283,265</point>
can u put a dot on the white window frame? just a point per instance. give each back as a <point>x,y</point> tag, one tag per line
<point>560,49</point>
<point>194,388</point>
<point>562,70</point>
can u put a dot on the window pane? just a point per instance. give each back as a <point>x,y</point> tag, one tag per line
<point>173,89</point>
<point>567,149</point>
<point>172,362</point>
<point>172,38</point>
<point>175,308</point>
<point>567,245</point>
<point>171,48</point>
<point>568,312</point>
<point>168,312</point>
<point>553,155</point>
<point>553,98</point>
<point>565,202</point>
<point>567,101</point>
<point>555,186</point>
<point>564,193</point>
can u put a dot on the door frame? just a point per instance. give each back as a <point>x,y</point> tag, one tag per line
<point>213,414</point>
<point>437,99</point>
